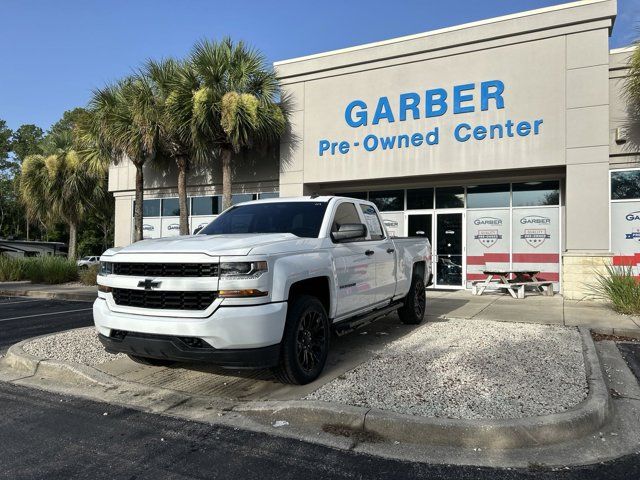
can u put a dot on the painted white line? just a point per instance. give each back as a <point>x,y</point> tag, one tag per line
<point>45,314</point>
<point>25,301</point>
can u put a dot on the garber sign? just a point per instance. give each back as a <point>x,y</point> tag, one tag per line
<point>461,99</point>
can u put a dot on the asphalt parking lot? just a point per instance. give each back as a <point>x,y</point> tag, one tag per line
<point>25,317</point>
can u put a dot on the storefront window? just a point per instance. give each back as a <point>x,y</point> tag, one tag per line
<point>625,185</point>
<point>420,199</point>
<point>488,196</point>
<point>241,197</point>
<point>450,197</point>
<point>150,208</point>
<point>358,195</point>
<point>536,194</point>
<point>206,205</point>
<point>265,195</point>
<point>388,200</point>
<point>170,207</point>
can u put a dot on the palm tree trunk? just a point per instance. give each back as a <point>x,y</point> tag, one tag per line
<point>73,240</point>
<point>182,194</point>
<point>226,178</point>
<point>137,214</point>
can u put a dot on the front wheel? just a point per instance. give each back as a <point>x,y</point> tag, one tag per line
<point>412,312</point>
<point>305,342</point>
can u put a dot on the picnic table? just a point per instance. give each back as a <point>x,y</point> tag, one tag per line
<point>515,286</point>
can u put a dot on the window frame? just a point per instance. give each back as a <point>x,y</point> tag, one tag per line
<point>611,171</point>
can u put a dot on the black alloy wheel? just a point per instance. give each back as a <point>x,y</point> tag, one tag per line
<point>415,303</point>
<point>419,302</point>
<point>305,342</point>
<point>310,340</point>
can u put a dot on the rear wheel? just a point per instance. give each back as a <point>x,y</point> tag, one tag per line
<point>156,362</point>
<point>412,312</point>
<point>305,342</point>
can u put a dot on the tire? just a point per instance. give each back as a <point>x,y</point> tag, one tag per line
<point>412,312</point>
<point>155,362</point>
<point>305,342</point>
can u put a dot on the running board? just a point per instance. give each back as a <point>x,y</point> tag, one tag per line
<point>351,324</point>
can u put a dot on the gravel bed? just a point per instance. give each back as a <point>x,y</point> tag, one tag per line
<point>80,345</point>
<point>469,370</point>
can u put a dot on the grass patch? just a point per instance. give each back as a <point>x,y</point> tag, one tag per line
<point>619,287</point>
<point>89,275</point>
<point>45,269</point>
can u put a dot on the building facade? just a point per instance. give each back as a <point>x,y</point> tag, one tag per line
<point>507,142</point>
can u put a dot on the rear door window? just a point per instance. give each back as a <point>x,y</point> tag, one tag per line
<point>372,222</point>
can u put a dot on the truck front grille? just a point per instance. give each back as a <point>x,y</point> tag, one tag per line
<point>166,269</point>
<point>159,299</point>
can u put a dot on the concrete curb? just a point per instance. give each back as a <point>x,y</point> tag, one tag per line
<point>29,365</point>
<point>621,332</point>
<point>577,422</point>
<point>587,417</point>
<point>82,297</point>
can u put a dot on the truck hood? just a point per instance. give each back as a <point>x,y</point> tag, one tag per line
<point>236,244</point>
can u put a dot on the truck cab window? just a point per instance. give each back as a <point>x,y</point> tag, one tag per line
<point>372,222</point>
<point>345,213</point>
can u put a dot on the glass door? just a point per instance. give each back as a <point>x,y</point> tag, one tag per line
<point>449,250</point>
<point>421,225</point>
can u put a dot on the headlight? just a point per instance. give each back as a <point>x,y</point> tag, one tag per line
<point>242,269</point>
<point>106,268</point>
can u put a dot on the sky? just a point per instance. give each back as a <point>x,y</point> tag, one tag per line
<point>55,52</point>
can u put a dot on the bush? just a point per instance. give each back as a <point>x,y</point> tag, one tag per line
<point>45,269</point>
<point>620,288</point>
<point>88,276</point>
<point>11,269</point>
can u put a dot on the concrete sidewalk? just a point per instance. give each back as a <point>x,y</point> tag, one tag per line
<point>65,291</point>
<point>532,309</point>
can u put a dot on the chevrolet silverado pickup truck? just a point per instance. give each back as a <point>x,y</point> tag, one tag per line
<point>265,284</point>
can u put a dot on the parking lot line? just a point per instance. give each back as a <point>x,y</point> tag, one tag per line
<point>24,301</point>
<point>45,314</point>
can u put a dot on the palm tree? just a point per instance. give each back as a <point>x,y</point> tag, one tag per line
<point>235,106</point>
<point>124,120</point>
<point>61,187</point>
<point>173,84</point>
<point>632,83</point>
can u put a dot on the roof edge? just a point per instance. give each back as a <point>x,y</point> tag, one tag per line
<point>513,16</point>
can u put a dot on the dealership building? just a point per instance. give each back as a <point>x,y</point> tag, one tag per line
<point>507,142</point>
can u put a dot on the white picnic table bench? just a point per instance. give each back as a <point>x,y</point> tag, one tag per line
<point>515,286</point>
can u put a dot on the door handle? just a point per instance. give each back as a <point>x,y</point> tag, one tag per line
<point>391,250</point>
<point>368,253</point>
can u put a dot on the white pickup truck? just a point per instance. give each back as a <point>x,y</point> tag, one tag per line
<point>263,285</point>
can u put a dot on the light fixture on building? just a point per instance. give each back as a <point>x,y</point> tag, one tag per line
<point>621,135</point>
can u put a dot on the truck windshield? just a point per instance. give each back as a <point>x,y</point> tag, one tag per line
<point>302,219</point>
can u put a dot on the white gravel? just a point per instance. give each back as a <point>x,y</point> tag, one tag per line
<point>79,346</point>
<point>470,369</point>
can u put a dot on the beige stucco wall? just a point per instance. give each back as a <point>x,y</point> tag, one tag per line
<point>554,64</point>
<point>579,272</point>
<point>253,173</point>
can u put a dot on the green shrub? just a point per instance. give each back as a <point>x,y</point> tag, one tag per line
<point>619,287</point>
<point>45,269</point>
<point>11,269</point>
<point>88,276</point>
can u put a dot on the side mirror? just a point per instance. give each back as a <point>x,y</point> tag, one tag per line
<point>349,231</point>
<point>197,230</point>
